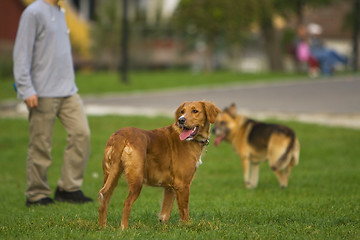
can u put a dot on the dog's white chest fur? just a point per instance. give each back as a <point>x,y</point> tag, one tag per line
<point>198,162</point>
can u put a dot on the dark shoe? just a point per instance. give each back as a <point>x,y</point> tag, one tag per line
<point>71,197</point>
<point>44,201</point>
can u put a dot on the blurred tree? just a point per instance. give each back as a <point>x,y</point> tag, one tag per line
<point>297,7</point>
<point>267,9</point>
<point>352,22</point>
<point>232,20</point>
<point>106,33</point>
<point>212,20</point>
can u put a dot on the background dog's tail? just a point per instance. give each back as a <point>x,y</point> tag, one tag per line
<point>296,153</point>
<point>291,154</point>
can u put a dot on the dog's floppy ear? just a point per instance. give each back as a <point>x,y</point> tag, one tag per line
<point>211,111</point>
<point>177,113</point>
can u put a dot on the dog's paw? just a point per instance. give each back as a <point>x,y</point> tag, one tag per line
<point>123,227</point>
<point>248,185</point>
<point>100,197</point>
<point>163,218</point>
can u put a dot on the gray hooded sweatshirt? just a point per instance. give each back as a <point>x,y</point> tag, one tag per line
<point>42,53</point>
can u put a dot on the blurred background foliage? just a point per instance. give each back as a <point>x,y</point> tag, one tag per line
<point>201,35</point>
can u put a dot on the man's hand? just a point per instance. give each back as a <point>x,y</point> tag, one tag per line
<point>32,101</point>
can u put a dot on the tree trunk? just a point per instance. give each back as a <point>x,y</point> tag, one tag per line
<point>273,47</point>
<point>300,12</point>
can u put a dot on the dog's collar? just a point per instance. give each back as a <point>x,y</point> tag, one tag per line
<point>204,142</point>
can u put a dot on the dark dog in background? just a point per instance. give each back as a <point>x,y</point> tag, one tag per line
<point>256,142</point>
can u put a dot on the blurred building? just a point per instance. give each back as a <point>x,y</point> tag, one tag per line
<point>10,12</point>
<point>332,19</point>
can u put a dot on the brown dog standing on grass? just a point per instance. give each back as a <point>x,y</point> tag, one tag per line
<point>166,157</point>
<point>256,142</point>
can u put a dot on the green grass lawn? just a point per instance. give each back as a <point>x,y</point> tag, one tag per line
<point>106,82</point>
<point>321,202</point>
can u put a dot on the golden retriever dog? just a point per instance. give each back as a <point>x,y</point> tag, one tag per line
<point>166,157</point>
<point>256,142</point>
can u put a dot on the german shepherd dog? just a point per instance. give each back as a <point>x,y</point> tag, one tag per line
<point>166,157</point>
<point>256,142</point>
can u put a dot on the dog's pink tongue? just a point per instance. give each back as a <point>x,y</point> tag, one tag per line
<point>218,140</point>
<point>185,134</point>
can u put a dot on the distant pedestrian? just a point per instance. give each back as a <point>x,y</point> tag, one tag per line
<point>303,52</point>
<point>327,58</point>
<point>44,77</point>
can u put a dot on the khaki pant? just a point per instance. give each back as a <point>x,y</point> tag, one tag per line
<point>71,114</point>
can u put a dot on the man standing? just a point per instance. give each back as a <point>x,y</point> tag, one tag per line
<point>44,76</point>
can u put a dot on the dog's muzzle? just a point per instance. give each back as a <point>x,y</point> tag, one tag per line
<point>181,120</point>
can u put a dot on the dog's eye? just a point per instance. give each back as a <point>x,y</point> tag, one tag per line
<point>195,111</point>
<point>222,123</point>
<point>182,111</point>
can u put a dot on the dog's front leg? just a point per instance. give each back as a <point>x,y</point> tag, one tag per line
<point>246,169</point>
<point>182,198</point>
<point>254,175</point>
<point>168,200</point>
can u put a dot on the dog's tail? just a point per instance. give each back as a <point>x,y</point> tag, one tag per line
<point>296,153</point>
<point>112,168</point>
<point>291,154</point>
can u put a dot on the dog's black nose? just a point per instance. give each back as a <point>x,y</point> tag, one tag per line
<point>182,120</point>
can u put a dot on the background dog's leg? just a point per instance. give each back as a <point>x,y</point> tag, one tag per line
<point>254,175</point>
<point>182,197</point>
<point>134,192</point>
<point>246,169</point>
<point>294,161</point>
<point>287,172</point>
<point>286,176</point>
<point>283,176</point>
<point>168,200</point>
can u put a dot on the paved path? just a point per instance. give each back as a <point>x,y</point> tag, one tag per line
<point>331,101</point>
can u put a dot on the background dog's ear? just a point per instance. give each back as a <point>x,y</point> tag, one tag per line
<point>232,110</point>
<point>211,111</point>
<point>177,113</point>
